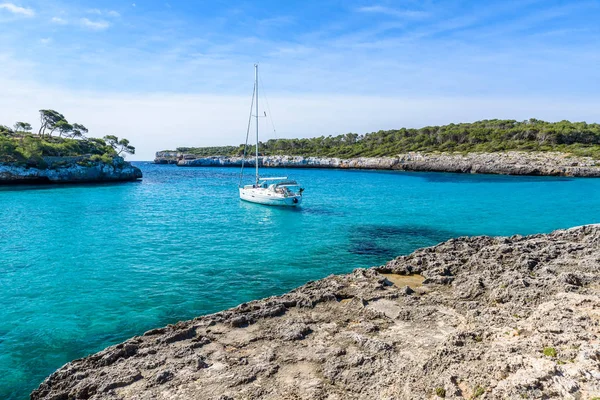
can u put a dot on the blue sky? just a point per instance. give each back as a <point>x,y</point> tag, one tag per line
<point>405,63</point>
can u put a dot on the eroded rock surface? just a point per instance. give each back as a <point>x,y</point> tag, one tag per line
<point>480,317</point>
<point>506,163</point>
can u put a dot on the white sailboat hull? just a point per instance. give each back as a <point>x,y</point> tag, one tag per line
<point>269,198</point>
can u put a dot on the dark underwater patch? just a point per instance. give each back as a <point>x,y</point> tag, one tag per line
<point>387,242</point>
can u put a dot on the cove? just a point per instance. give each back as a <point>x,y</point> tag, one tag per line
<point>84,267</point>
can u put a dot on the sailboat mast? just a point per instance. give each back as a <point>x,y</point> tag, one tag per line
<point>256,91</point>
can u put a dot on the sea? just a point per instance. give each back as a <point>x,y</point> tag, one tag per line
<point>83,267</point>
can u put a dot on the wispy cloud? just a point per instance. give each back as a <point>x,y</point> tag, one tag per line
<point>94,25</point>
<point>12,8</point>
<point>109,13</point>
<point>59,21</point>
<point>377,9</point>
<point>563,32</point>
<point>276,21</point>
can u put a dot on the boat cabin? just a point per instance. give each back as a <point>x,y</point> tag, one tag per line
<point>278,185</point>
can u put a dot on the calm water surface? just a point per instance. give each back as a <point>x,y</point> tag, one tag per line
<point>84,267</point>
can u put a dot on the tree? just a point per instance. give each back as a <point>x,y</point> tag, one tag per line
<point>120,146</point>
<point>22,127</point>
<point>49,119</point>
<point>350,138</point>
<point>111,140</point>
<point>79,131</point>
<point>5,131</point>
<point>63,127</point>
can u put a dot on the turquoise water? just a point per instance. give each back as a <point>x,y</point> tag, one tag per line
<point>84,267</point>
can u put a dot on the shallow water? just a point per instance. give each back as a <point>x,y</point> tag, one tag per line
<point>84,267</point>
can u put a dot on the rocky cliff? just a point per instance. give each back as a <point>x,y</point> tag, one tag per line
<point>70,171</point>
<point>167,157</point>
<point>508,163</point>
<point>474,317</point>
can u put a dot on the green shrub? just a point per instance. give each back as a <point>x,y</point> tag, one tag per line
<point>550,352</point>
<point>104,158</point>
<point>479,391</point>
<point>30,149</point>
<point>440,392</point>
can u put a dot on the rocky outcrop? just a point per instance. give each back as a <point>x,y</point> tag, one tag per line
<point>474,317</point>
<point>70,171</point>
<point>507,163</point>
<point>167,157</point>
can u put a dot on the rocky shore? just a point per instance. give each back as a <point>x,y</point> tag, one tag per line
<point>506,163</point>
<point>471,318</point>
<point>70,170</point>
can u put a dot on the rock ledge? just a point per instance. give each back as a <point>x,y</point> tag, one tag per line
<point>70,172</point>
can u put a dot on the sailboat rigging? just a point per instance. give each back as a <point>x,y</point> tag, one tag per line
<point>272,191</point>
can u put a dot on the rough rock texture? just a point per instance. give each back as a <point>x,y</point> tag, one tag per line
<point>71,172</point>
<point>167,157</point>
<point>508,163</point>
<point>495,318</point>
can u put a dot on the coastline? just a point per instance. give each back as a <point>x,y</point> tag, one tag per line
<point>477,324</point>
<point>62,170</point>
<point>503,163</point>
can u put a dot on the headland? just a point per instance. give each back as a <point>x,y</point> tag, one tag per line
<point>505,163</point>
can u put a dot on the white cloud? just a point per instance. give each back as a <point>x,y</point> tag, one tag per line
<point>393,12</point>
<point>10,7</point>
<point>46,40</point>
<point>110,13</point>
<point>94,25</point>
<point>59,21</point>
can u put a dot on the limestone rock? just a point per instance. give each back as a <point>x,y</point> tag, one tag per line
<point>74,172</point>
<point>506,163</point>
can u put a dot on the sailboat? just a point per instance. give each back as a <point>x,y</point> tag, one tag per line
<point>276,191</point>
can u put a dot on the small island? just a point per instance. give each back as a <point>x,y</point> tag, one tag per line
<point>508,147</point>
<point>60,152</point>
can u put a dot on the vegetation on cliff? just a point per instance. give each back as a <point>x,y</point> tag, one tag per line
<point>57,138</point>
<point>578,138</point>
<point>210,151</point>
